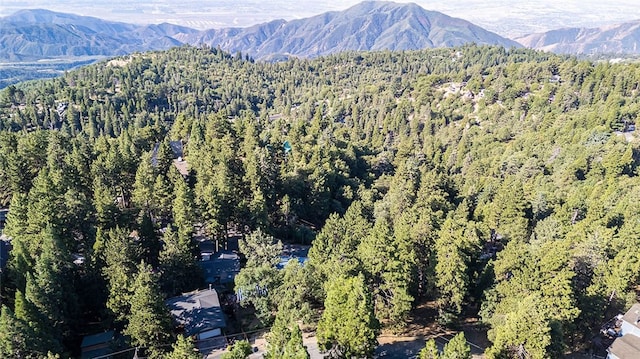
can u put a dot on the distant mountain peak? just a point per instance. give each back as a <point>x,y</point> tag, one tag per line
<point>621,38</point>
<point>370,25</point>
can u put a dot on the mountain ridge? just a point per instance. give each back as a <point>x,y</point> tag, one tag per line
<point>623,38</point>
<point>370,25</point>
<point>365,26</point>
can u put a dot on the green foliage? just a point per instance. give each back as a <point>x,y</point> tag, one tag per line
<point>178,264</point>
<point>183,348</point>
<point>121,254</point>
<point>49,289</point>
<point>534,296</point>
<point>149,324</point>
<point>457,348</point>
<point>433,174</point>
<point>259,279</point>
<point>239,350</point>
<point>348,326</point>
<point>430,350</point>
<point>183,210</point>
<point>257,285</point>
<point>285,341</point>
<point>294,295</point>
<point>17,339</point>
<point>260,249</point>
<point>387,269</point>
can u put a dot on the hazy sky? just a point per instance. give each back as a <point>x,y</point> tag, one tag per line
<point>506,17</point>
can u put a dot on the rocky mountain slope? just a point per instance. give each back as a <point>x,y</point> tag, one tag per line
<point>366,26</point>
<point>614,39</point>
<point>31,35</point>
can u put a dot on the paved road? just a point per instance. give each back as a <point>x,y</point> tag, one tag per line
<point>389,348</point>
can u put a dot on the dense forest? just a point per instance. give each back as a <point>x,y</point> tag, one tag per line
<point>496,182</point>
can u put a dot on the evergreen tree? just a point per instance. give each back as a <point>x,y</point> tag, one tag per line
<point>239,350</point>
<point>257,286</point>
<point>260,249</point>
<point>451,266</point>
<point>16,338</point>
<point>178,266</point>
<point>284,341</point>
<point>348,326</point>
<point>457,348</point>
<point>183,210</point>
<point>121,254</point>
<point>143,187</point>
<point>183,348</point>
<point>50,289</point>
<point>389,275</point>
<point>430,350</point>
<point>149,323</point>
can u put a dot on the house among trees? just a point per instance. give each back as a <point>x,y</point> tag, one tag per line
<point>627,345</point>
<point>97,345</point>
<point>220,267</point>
<point>200,315</point>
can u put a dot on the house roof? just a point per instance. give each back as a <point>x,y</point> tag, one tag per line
<point>181,166</point>
<point>221,268</point>
<point>176,147</point>
<point>197,311</point>
<point>95,339</point>
<point>632,315</point>
<point>626,347</point>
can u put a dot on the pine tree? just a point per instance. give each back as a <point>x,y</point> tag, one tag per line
<point>143,187</point>
<point>240,350</point>
<point>149,323</point>
<point>260,249</point>
<point>284,340</point>
<point>15,336</point>
<point>183,348</point>
<point>451,266</point>
<point>457,348</point>
<point>121,254</point>
<point>183,209</point>
<point>348,326</point>
<point>387,272</point>
<point>178,265</point>
<point>50,289</point>
<point>430,350</point>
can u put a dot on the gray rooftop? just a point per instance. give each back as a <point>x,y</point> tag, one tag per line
<point>626,347</point>
<point>632,315</point>
<point>197,311</point>
<point>222,268</point>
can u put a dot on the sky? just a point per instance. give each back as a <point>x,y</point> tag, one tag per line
<point>510,18</point>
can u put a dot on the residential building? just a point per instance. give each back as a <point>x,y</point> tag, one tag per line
<point>200,316</point>
<point>627,345</point>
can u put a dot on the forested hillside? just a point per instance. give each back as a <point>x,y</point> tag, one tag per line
<point>485,179</point>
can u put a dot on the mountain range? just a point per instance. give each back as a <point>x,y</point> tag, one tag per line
<point>31,35</point>
<point>614,39</point>
<point>64,40</point>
